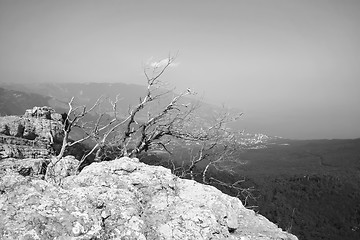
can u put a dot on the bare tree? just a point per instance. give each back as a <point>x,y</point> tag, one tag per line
<point>215,147</point>
<point>144,127</point>
<point>159,118</point>
<point>211,145</point>
<point>72,119</point>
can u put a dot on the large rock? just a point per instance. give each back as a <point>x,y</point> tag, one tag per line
<point>31,135</point>
<point>58,169</point>
<point>39,123</point>
<point>125,199</point>
<point>14,147</point>
<point>35,167</point>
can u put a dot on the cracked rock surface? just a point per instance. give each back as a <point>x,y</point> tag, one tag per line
<point>124,199</point>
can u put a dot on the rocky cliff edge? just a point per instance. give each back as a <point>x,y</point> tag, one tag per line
<point>124,199</point>
<point>30,135</point>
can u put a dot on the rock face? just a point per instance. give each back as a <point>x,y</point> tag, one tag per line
<point>124,199</point>
<point>31,167</point>
<point>15,147</point>
<point>30,136</point>
<point>58,169</point>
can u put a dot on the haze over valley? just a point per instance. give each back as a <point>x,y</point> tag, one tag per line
<point>292,67</point>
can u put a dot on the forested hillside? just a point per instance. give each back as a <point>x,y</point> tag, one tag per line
<point>309,188</point>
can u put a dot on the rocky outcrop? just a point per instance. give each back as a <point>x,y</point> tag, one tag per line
<point>39,123</point>
<point>31,135</point>
<point>58,169</point>
<point>124,199</point>
<point>14,147</point>
<point>31,167</point>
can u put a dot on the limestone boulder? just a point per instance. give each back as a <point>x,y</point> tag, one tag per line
<point>40,123</point>
<point>30,135</point>
<point>58,169</point>
<point>21,148</point>
<point>125,199</point>
<point>35,167</point>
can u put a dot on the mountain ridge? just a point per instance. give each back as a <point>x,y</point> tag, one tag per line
<point>58,95</point>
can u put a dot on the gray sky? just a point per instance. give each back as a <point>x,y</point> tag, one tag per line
<point>291,66</point>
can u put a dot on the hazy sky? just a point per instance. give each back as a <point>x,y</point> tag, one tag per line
<point>293,67</point>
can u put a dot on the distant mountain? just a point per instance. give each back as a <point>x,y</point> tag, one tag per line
<point>57,96</point>
<point>14,102</point>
